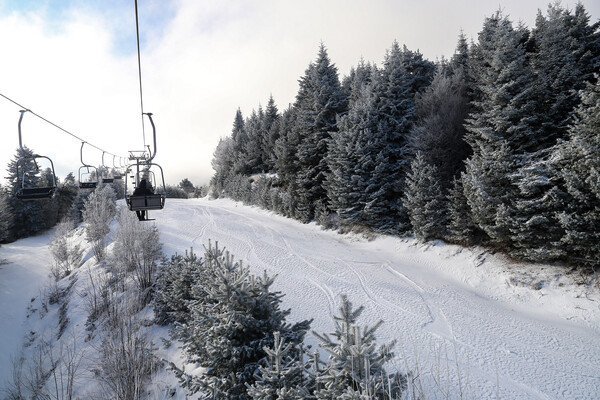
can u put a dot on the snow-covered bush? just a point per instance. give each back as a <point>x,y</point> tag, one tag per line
<point>67,255</point>
<point>99,210</point>
<point>127,361</point>
<point>137,248</point>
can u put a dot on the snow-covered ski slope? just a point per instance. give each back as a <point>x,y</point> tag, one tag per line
<point>468,324</point>
<point>461,326</point>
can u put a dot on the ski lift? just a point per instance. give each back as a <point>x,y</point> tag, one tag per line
<point>145,197</point>
<point>104,172</point>
<point>89,183</point>
<point>32,192</point>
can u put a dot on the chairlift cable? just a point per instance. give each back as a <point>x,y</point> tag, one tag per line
<point>137,32</point>
<point>56,126</point>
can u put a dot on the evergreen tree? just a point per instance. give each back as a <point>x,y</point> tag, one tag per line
<point>349,177</point>
<point>285,148</point>
<point>186,186</point>
<point>28,216</point>
<point>282,376</point>
<point>229,326</point>
<point>356,367</point>
<point>577,164</point>
<point>419,69</point>
<point>395,109</point>
<point>319,102</point>
<point>424,201</point>
<point>6,217</point>
<point>562,67</point>
<point>461,227</point>
<point>223,164</point>
<point>503,129</point>
<point>272,134</point>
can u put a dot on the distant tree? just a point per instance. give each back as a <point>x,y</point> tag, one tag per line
<point>186,186</point>
<point>395,106</point>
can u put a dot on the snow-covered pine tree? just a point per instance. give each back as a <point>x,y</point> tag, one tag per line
<point>99,209</point>
<point>319,101</point>
<point>230,325</point>
<point>461,227</point>
<point>503,129</point>
<point>6,217</point>
<point>395,108</point>
<point>174,283</point>
<point>282,376</point>
<point>560,70</point>
<point>356,366</point>
<point>424,200</point>
<point>348,153</point>
<point>223,164</point>
<point>270,126</point>
<point>28,216</point>
<point>577,163</point>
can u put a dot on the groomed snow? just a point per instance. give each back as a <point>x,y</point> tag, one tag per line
<point>468,324</point>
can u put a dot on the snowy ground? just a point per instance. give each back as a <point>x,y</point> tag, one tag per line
<point>468,324</point>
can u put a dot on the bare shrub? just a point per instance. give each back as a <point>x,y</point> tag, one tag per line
<point>137,250</point>
<point>66,254</point>
<point>127,359</point>
<point>99,209</point>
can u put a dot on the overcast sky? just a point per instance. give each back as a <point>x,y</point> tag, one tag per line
<point>74,62</point>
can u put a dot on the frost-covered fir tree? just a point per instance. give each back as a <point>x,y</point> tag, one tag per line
<point>503,129</point>
<point>6,216</point>
<point>270,126</point>
<point>461,227</point>
<point>356,367</point>
<point>350,161</point>
<point>283,375</point>
<point>577,163</point>
<point>319,101</point>
<point>229,327</point>
<point>174,283</point>
<point>28,216</point>
<point>395,107</point>
<point>424,200</point>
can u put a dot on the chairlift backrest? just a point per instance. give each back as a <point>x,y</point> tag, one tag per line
<point>25,192</point>
<point>89,183</point>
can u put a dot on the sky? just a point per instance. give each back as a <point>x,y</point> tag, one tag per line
<point>74,62</point>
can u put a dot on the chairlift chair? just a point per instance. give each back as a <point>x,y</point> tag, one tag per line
<point>88,184</point>
<point>104,171</point>
<point>143,165</point>
<point>25,192</point>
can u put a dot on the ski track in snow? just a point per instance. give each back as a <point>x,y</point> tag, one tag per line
<point>438,321</point>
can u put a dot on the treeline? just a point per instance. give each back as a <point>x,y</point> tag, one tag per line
<point>20,219</point>
<point>498,145</point>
